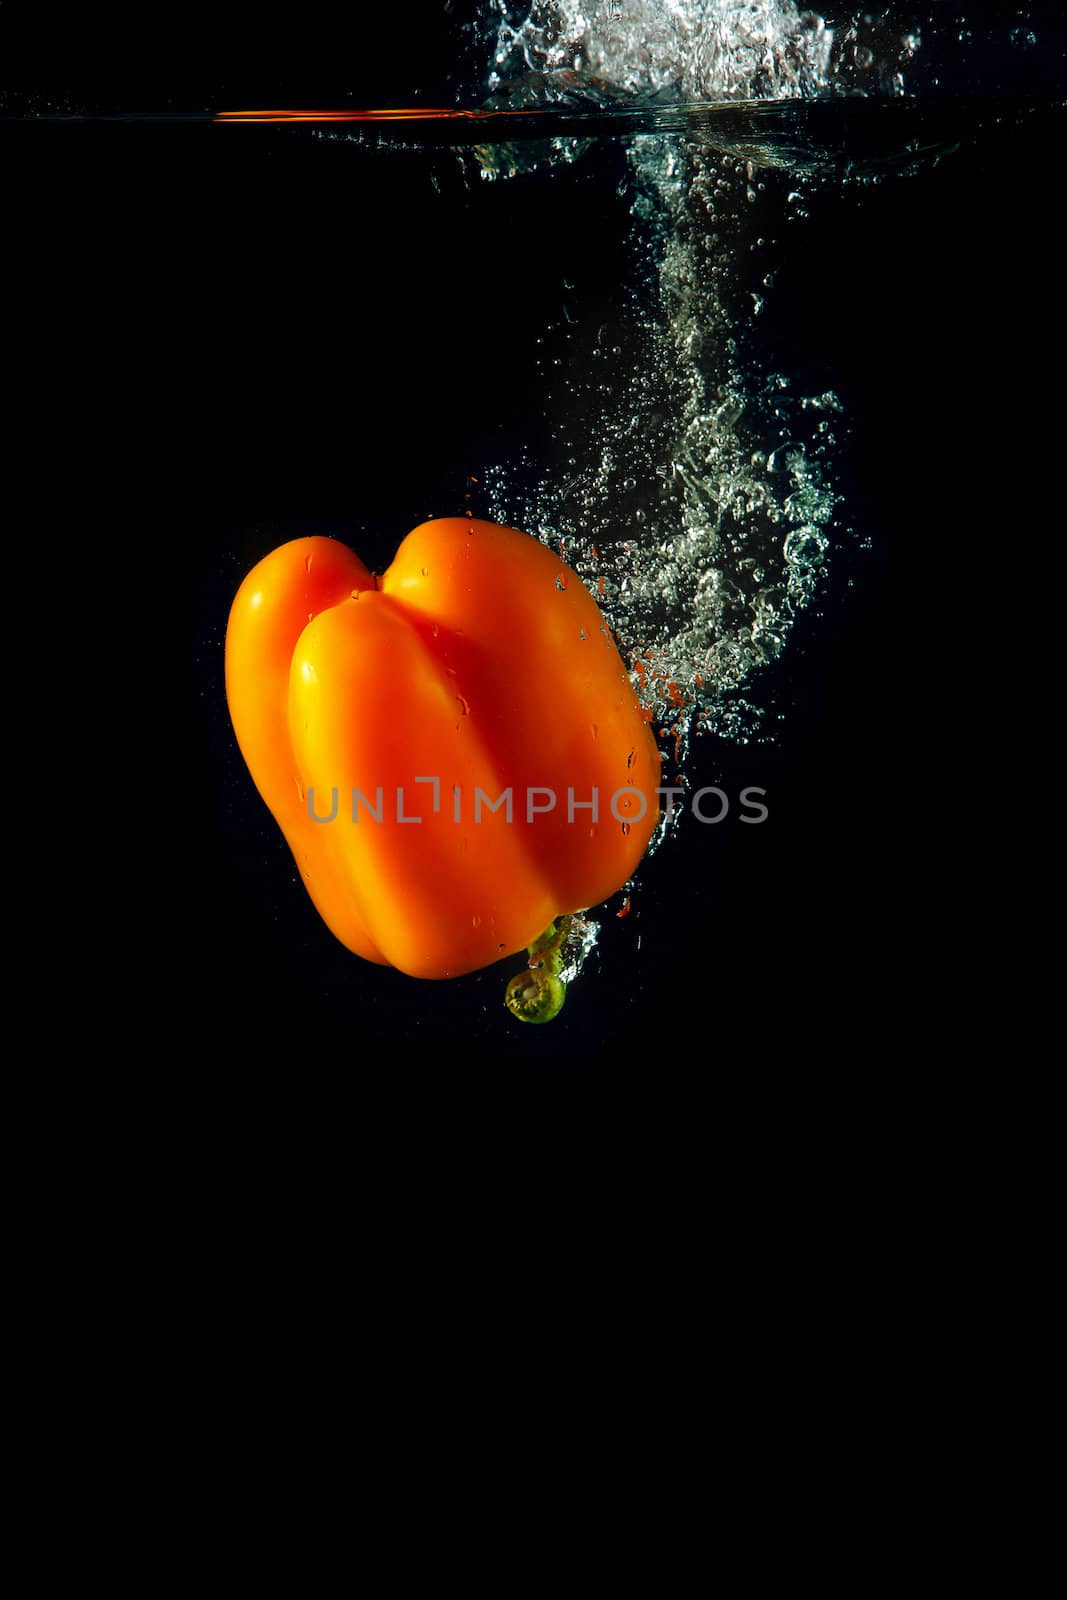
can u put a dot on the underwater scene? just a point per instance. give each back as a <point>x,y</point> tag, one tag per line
<point>733,309</point>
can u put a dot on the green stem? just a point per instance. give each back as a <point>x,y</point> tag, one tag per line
<point>537,994</point>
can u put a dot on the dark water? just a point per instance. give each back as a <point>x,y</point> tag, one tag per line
<point>805,1044</point>
<point>262,332</point>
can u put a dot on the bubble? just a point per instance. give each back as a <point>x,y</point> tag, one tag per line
<point>744,49</point>
<point>704,483</point>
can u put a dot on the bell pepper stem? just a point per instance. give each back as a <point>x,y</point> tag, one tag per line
<point>537,993</point>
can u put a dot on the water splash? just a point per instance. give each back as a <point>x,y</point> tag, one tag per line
<point>696,493</point>
<point>678,49</point>
<point>662,51</point>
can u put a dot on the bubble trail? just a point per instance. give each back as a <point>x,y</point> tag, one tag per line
<point>697,498</point>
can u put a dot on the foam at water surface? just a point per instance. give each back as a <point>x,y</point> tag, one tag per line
<point>688,49</point>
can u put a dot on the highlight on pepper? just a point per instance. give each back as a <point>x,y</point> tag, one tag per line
<point>452,749</point>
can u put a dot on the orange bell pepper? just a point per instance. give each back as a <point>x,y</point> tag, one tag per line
<point>383,717</point>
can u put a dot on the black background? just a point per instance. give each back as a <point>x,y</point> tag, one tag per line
<point>228,337</point>
<point>256,1175</point>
